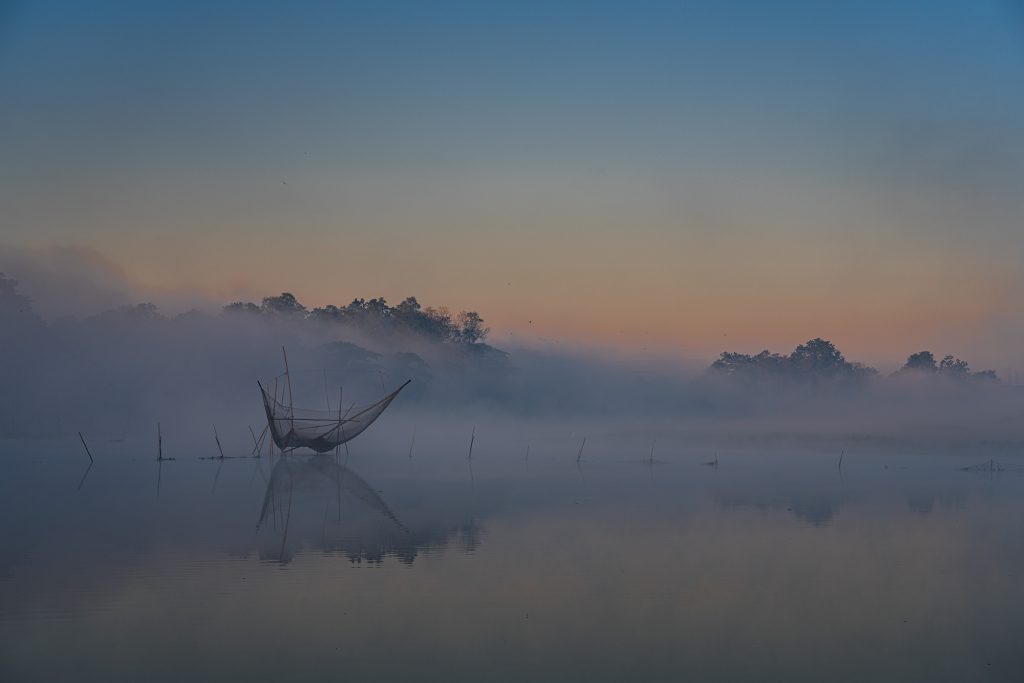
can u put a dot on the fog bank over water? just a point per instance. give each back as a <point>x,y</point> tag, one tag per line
<point>127,368</point>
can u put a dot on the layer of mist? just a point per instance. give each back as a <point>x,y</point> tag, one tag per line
<point>124,370</point>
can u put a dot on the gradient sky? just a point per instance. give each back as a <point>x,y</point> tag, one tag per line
<point>691,176</point>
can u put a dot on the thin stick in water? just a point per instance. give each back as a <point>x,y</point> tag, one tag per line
<point>291,399</point>
<point>579,455</point>
<point>841,454</point>
<point>472,438</point>
<point>217,439</point>
<point>159,442</point>
<point>326,393</point>
<point>87,452</point>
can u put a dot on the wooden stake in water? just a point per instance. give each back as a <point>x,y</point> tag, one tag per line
<point>217,439</point>
<point>291,399</point>
<point>579,455</point>
<point>86,447</point>
<point>652,451</point>
<point>472,438</point>
<point>841,454</point>
<point>159,442</point>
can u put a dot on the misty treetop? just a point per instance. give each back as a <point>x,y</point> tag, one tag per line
<point>375,316</point>
<point>819,359</point>
<point>922,364</point>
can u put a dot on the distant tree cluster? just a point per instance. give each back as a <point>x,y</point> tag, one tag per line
<point>820,359</point>
<point>375,316</point>
<point>817,358</point>
<point>922,364</point>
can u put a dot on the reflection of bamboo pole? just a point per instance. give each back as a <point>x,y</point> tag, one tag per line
<point>257,448</point>
<point>288,519</point>
<point>86,447</point>
<point>86,474</point>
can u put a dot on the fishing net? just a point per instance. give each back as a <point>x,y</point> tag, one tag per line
<point>320,430</point>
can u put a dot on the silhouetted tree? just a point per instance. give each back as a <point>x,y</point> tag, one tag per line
<point>409,306</point>
<point>922,361</point>
<point>286,304</point>
<point>954,367</point>
<point>242,307</point>
<point>470,327</point>
<point>819,357</point>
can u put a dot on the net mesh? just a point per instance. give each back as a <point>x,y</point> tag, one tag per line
<point>320,430</point>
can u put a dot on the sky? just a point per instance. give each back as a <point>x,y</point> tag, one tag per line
<point>686,177</point>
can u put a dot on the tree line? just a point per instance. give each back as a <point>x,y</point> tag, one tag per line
<point>819,359</point>
<point>374,316</point>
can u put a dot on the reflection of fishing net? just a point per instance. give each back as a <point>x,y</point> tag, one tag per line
<point>320,430</point>
<point>318,474</point>
<point>301,494</point>
<point>993,466</point>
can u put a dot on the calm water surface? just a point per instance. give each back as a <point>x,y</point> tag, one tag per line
<point>772,565</point>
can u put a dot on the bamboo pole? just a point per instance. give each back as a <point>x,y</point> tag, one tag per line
<point>327,394</point>
<point>87,452</point>
<point>291,399</point>
<point>472,438</point>
<point>216,438</point>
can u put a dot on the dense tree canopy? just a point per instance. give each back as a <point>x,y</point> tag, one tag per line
<point>814,359</point>
<point>375,316</point>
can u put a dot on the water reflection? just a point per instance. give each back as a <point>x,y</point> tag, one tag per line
<point>298,503</point>
<point>766,567</point>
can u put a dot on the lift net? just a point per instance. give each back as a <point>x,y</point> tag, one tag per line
<point>320,430</point>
